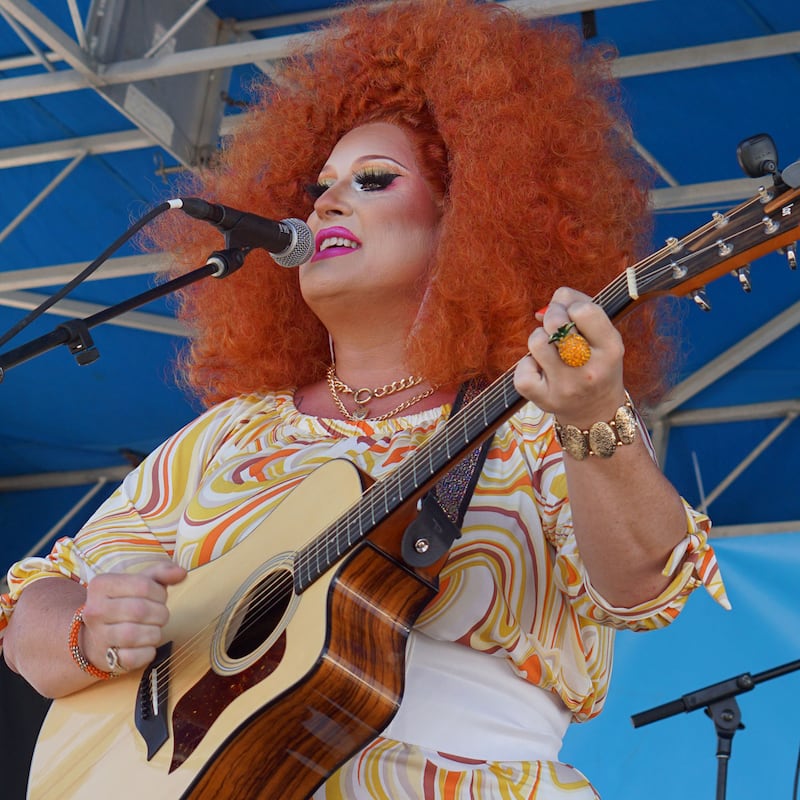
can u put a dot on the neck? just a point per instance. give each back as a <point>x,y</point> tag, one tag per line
<point>369,336</point>
<point>370,362</point>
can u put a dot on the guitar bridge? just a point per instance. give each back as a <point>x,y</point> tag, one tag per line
<point>151,702</point>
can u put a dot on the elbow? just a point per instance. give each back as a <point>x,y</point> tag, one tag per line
<point>8,648</point>
<point>11,663</point>
<point>10,653</point>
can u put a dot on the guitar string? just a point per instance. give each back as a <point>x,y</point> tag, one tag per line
<point>615,290</point>
<point>324,541</point>
<point>266,597</point>
<point>646,276</point>
<point>200,641</point>
<point>618,289</point>
<point>653,276</point>
<point>672,252</point>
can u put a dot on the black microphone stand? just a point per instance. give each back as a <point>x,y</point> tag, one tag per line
<point>719,701</point>
<point>75,332</point>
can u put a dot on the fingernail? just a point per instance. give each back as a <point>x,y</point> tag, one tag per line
<point>542,311</point>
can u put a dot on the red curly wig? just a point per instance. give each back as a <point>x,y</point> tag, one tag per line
<point>519,130</point>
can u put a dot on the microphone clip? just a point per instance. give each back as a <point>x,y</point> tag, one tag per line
<point>227,261</point>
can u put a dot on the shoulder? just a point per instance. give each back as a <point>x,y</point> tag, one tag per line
<point>235,417</point>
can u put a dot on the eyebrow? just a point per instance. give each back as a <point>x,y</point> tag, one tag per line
<point>382,158</point>
<point>375,157</point>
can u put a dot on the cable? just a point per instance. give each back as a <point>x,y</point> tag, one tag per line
<point>65,290</point>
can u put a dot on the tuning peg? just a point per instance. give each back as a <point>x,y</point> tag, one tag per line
<point>743,276</point>
<point>700,297</point>
<point>679,271</point>
<point>791,254</point>
<point>674,244</point>
<point>765,195</point>
<point>720,220</point>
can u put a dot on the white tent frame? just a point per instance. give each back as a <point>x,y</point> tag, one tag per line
<point>32,27</point>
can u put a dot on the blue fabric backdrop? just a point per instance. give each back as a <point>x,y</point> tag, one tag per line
<point>676,757</point>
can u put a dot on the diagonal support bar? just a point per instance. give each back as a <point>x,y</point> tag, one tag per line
<point>48,32</point>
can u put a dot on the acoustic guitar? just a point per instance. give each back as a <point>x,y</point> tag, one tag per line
<point>285,656</point>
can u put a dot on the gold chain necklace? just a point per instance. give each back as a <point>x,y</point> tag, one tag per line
<point>362,397</point>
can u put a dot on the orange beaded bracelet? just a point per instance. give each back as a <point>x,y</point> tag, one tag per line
<point>75,649</point>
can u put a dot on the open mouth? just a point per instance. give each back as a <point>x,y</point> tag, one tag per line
<point>332,242</point>
<point>337,242</point>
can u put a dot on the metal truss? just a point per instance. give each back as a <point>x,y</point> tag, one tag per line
<point>188,46</point>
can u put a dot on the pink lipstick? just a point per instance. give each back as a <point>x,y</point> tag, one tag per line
<point>335,241</point>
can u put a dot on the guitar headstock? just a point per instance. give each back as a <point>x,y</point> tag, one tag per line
<point>728,243</point>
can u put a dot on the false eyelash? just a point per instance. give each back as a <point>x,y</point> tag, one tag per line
<point>369,177</point>
<point>316,190</point>
<point>377,178</point>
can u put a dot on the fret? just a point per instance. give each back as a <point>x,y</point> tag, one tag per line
<point>356,527</point>
<point>414,480</point>
<point>317,563</point>
<point>300,578</point>
<point>483,410</point>
<point>336,540</point>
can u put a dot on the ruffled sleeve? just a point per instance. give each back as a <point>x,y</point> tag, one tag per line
<point>692,562</point>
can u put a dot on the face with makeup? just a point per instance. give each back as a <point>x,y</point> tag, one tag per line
<point>375,222</point>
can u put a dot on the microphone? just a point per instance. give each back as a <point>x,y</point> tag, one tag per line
<point>289,242</point>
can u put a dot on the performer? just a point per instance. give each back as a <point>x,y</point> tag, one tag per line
<point>460,168</point>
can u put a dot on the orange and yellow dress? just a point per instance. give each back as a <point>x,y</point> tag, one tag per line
<point>514,593</point>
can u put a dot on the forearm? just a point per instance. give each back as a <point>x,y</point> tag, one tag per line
<point>627,519</point>
<point>35,643</point>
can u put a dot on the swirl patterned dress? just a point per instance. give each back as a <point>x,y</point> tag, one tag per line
<point>514,588</point>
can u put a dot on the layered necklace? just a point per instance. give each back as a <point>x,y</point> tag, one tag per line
<point>363,397</point>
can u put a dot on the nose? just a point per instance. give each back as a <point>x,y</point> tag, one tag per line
<point>333,201</point>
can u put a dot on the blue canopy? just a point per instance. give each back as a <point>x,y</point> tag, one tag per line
<point>100,104</point>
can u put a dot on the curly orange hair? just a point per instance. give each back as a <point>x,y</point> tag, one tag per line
<point>519,128</point>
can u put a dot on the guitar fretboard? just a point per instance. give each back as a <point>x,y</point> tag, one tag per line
<point>727,242</point>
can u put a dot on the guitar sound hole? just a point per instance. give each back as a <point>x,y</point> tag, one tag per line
<point>261,611</point>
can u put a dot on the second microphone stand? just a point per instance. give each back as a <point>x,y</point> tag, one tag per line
<point>719,702</point>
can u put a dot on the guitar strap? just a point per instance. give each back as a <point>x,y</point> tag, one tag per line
<point>442,510</point>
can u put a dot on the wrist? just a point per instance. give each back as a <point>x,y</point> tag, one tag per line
<point>601,438</point>
<point>76,651</point>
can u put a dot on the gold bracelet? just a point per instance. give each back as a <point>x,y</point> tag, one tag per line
<point>77,654</point>
<point>601,439</point>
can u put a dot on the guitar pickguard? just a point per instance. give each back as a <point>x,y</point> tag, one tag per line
<point>200,707</point>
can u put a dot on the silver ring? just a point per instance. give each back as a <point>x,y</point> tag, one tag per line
<point>112,658</point>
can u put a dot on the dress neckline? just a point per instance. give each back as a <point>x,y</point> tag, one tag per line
<point>291,415</point>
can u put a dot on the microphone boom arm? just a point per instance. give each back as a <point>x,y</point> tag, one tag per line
<point>719,701</point>
<point>75,333</point>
